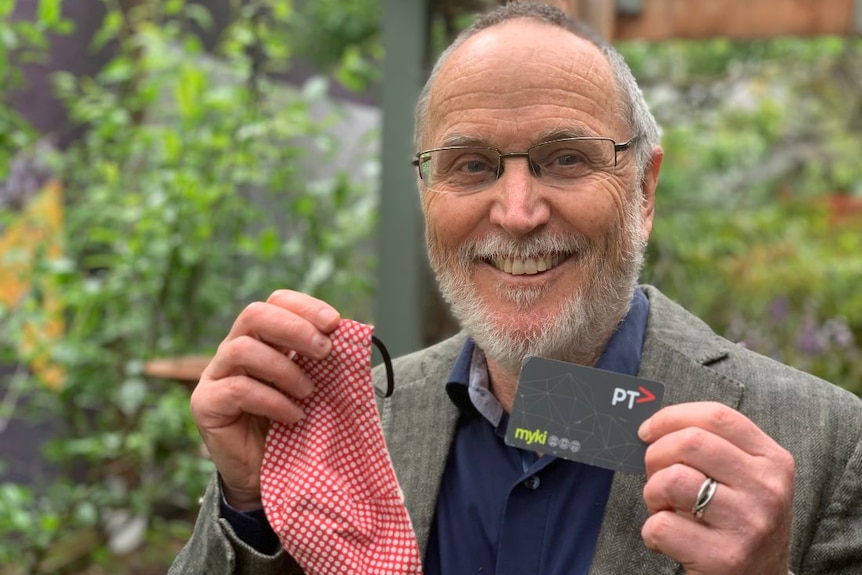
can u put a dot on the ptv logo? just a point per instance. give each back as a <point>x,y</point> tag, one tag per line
<point>642,395</point>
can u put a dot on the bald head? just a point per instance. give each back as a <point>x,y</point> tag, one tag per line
<point>627,100</point>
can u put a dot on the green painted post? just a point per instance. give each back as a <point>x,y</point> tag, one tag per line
<point>398,313</point>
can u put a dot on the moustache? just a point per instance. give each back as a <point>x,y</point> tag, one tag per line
<point>540,245</point>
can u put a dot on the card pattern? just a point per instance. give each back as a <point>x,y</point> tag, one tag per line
<point>582,414</point>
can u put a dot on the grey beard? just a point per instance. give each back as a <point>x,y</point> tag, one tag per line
<point>586,320</point>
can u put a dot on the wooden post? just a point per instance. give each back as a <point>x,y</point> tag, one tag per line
<point>740,19</point>
<point>400,286</point>
<point>599,14</point>
<point>570,7</point>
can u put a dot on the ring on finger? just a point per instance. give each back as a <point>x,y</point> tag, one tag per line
<point>704,496</point>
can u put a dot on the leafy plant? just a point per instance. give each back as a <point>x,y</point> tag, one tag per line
<point>188,197</point>
<point>21,42</point>
<point>342,36</point>
<point>754,230</point>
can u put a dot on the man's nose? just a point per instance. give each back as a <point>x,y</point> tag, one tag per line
<point>519,205</point>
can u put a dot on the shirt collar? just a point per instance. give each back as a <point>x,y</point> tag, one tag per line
<point>621,355</point>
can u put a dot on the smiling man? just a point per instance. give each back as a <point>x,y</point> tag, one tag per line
<point>538,163</point>
<point>545,259</point>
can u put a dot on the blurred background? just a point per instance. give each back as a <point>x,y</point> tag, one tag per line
<point>165,162</point>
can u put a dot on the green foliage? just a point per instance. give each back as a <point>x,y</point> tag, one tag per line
<point>188,197</point>
<point>761,140</point>
<point>21,41</point>
<point>342,36</point>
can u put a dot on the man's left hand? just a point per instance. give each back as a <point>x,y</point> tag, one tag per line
<point>744,529</point>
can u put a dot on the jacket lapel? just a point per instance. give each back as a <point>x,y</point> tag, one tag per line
<point>419,424</point>
<point>678,350</point>
<point>424,435</point>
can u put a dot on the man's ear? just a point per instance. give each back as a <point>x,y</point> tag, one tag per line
<point>648,189</point>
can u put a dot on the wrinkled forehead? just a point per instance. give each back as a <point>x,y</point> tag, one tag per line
<point>519,76</point>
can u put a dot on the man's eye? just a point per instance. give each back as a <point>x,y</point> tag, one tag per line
<point>473,166</point>
<point>567,159</point>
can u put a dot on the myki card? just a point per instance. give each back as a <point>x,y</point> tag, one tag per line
<point>582,413</point>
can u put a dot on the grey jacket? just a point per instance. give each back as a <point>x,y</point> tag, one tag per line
<point>820,424</point>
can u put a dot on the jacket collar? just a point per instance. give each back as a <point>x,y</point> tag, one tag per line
<point>419,423</point>
<point>680,351</point>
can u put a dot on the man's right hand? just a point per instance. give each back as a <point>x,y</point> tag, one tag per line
<point>253,379</point>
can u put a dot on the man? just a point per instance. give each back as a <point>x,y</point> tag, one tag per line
<point>538,164</point>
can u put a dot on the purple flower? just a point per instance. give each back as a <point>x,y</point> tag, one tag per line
<point>779,310</point>
<point>809,340</point>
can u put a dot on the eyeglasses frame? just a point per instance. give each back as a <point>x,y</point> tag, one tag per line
<point>618,147</point>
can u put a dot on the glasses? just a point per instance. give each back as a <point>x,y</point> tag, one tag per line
<point>559,163</point>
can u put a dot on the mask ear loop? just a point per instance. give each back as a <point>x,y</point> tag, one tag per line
<point>387,361</point>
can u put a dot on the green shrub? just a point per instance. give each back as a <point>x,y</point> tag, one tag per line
<point>187,198</point>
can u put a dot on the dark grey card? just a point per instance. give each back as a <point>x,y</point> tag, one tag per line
<point>582,413</point>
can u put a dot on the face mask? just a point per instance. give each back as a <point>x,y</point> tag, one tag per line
<point>328,487</point>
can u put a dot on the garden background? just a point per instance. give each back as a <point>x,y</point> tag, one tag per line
<point>204,165</point>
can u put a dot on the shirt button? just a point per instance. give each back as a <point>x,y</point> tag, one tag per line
<point>532,483</point>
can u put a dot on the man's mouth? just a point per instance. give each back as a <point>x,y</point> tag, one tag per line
<point>526,266</point>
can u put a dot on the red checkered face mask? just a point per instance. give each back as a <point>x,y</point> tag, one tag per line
<point>327,482</point>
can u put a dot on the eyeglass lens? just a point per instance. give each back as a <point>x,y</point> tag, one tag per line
<point>558,163</point>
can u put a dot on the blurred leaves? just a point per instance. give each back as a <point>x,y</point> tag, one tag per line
<point>759,207</point>
<point>199,185</point>
<point>21,42</point>
<point>342,36</point>
<point>189,196</point>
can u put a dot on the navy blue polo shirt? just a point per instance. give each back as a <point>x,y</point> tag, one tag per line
<point>505,511</point>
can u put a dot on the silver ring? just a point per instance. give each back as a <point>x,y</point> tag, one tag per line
<point>704,496</point>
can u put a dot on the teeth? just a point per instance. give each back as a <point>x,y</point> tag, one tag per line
<point>530,266</point>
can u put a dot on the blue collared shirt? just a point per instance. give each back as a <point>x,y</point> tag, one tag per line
<point>503,510</point>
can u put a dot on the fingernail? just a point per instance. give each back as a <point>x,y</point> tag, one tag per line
<point>304,386</point>
<point>327,316</point>
<point>643,431</point>
<point>297,416</point>
<point>322,344</point>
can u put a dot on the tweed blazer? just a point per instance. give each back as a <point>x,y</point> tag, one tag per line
<point>820,424</point>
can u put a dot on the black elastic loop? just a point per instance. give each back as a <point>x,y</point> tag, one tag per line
<point>387,361</point>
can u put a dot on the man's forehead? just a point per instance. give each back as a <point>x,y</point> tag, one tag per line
<point>524,41</point>
<point>519,65</point>
<point>483,138</point>
<point>528,31</point>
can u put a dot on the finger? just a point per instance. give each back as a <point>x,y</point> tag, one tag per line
<point>739,547</point>
<point>750,489</point>
<point>246,355</point>
<point>673,488</point>
<point>318,312</point>
<point>714,417</point>
<point>677,488</point>
<point>705,452</point>
<point>687,542</point>
<point>221,403</point>
<point>282,329</point>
